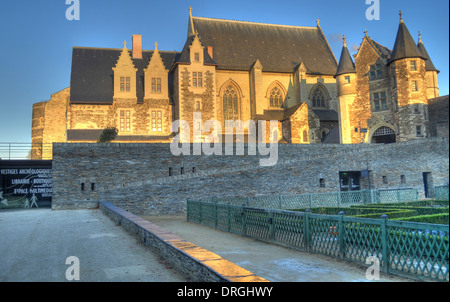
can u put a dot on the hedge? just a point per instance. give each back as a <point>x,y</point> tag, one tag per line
<point>442,218</point>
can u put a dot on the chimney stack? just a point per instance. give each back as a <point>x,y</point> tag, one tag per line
<point>137,46</point>
<point>210,52</point>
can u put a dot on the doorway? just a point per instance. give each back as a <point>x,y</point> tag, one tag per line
<point>428,184</point>
<point>383,135</point>
<point>350,180</point>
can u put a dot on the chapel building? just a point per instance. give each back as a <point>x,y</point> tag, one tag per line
<point>235,70</point>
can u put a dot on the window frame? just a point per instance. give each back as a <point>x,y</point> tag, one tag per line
<point>156,85</point>
<point>197,79</point>
<point>376,72</point>
<point>378,101</point>
<point>276,97</point>
<point>156,121</point>
<point>230,103</point>
<point>125,120</point>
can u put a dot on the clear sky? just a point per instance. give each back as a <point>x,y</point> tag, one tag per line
<point>36,38</point>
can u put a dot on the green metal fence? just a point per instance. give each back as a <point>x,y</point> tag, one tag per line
<point>404,248</point>
<point>341,199</point>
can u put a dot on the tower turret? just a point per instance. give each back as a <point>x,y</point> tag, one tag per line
<point>431,72</point>
<point>346,87</point>
<point>407,65</point>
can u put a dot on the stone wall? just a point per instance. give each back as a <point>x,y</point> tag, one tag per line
<point>147,179</point>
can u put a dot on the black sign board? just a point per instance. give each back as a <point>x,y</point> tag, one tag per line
<point>25,183</point>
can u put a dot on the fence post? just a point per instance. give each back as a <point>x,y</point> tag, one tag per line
<point>244,221</point>
<point>310,200</point>
<point>201,212</point>
<point>215,215</point>
<point>341,234</point>
<point>306,230</point>
<point>339,199</point>
<point>228,218</point>
<point>399,198</point>
<point>271,226</point>
<point>384,244</point>
<point>279,201</point>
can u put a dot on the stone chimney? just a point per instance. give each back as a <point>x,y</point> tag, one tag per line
<point>210,52</point>
<point>137,46</point>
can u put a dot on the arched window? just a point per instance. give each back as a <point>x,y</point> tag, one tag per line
<point>230,104</point>
<point>319,98</point>
<point>276,98</point>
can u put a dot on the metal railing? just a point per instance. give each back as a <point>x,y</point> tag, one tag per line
<point>341,199</point>
<point>404,248</point>
<point>13,151</point>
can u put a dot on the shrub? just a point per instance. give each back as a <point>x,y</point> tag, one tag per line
<point>108,135</point>
<point>441,218</point>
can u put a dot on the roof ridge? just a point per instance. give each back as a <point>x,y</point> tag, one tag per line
<point>256,23</point>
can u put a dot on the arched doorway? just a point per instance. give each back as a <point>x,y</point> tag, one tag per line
<point>383,135</point>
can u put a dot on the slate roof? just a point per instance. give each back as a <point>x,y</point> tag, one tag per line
<point>327,115</point>
<point>91,79</point>
<point>333,137</point>
<point>238,44</point>
<point>404,46</point>
<point>277,114</point>
<point>346,64</point>
<point>429,66</point>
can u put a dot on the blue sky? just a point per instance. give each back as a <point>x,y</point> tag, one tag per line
<point>37,39</point>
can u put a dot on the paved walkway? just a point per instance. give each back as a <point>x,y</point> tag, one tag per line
<point>272,262</point>
<point>35,244</point>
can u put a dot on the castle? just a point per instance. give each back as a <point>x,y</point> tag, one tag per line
<point>235,70</point>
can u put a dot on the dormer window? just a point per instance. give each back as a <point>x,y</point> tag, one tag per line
<point>156,85</point>
<point>124,84</point>
<point>197,57</point>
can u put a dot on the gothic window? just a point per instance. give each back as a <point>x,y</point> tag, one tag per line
<point>318,98</point>
<point>276,98</point>
<point>230,104</point>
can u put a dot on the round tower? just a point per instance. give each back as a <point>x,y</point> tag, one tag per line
<point>346,91</point>
<point>431,72</point>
